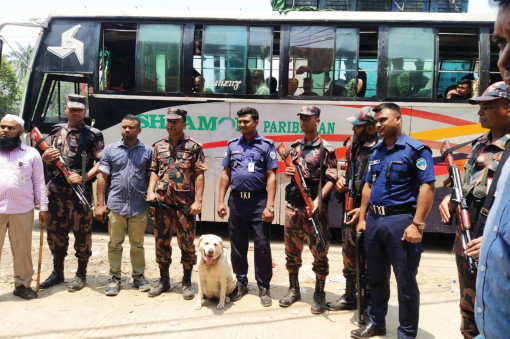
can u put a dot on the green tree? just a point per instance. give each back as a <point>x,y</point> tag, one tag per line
<point>20,67</point>
<point>8,88</point>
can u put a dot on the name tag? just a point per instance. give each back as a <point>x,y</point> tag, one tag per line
<point>251,167</point>
<point>375,162</point>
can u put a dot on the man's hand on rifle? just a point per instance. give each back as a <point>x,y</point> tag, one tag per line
<point>50,155</point>
<point>44,216</point>
<point>473,248</point>
<point>444,209</point>
<point>100,212</point>
<point>315,206</point>
<point>289,171</point>
<point>361,226</point>
<point>340,184</point>
<point>354,214</point>
<point>74,178</point>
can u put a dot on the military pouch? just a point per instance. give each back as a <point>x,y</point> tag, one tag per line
<point>293,194</point>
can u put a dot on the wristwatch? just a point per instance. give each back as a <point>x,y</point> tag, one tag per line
<point>421,226</point>
<point>270,209</point>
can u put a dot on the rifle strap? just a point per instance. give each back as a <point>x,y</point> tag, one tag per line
<point>456,147</point>
<point>321,156</point>
<point>489,198</point>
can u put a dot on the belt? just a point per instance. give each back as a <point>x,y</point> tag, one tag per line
<point>247,195</point>
<point>392,210</point>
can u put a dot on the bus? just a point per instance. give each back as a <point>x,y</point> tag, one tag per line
<point>143,62</point>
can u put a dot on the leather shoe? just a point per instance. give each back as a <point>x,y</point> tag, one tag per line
<point>141,283</point>
<point>24,292</point>
<point>367,331</point>
<point>239,292</point>
<point>265,297</point>
<point>113,287</point>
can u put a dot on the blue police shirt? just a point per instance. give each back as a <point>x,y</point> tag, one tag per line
<point>261,152</point>
<point>394,175</point>
<point>128,168</point>
<point>492,311</point>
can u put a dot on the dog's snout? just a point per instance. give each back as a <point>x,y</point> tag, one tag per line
<point>210,251</point>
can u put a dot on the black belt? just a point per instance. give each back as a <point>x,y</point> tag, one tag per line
<point>246,195</point>
<point>392,210</point>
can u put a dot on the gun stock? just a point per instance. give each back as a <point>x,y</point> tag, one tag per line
<point>283,150</point>
<point>37,137</point>
<point>459,201</point>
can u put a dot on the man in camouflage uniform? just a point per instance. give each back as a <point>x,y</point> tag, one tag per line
<point>75,142</point>
<point>364,137</point>
<point>177,183</point>
<point>307,154</point>
<point>479,170</point>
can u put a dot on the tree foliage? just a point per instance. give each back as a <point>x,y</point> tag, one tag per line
<point>8,89</point>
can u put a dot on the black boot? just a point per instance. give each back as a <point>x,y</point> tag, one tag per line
<point>187,290</point>
<point>319,298</point>
<point>293,294</point>
<point>57,275</point>
<point>346,301</point>
<point>164,282</point>
<point>81,277</point>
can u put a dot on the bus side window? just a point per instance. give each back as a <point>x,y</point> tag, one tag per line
<point>311,56</point>
<point>458,60</point>
<point>158,58</point>
<point>260,52</point>
<point>410,62</point>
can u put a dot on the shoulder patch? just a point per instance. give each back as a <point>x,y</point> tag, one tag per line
<point>421,164</point>
<point>272,154</point>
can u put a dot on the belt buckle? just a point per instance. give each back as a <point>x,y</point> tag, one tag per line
<point>245,195</point>
<point>381,210</point>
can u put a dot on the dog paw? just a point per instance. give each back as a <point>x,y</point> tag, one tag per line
<point>198,305</point>
<point>227,300</point>
<point>220,306</point>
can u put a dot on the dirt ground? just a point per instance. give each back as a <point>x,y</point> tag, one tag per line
<point>90,314</point>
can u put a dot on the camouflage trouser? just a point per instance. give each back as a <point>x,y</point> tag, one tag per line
<point>467,286</point>
<point>67,213</point>
<point>298,228</point>
<point>167,221</point>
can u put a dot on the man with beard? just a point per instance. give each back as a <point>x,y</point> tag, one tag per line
<point>76,143</point>
<point>21,183</point>
<point>364,138</point>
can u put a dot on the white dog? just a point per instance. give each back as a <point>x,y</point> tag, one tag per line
<point>215,276</point>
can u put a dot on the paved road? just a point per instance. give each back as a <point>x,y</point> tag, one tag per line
<point>90,314</point>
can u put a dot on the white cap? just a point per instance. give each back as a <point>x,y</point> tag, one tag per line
<point>15,118</point>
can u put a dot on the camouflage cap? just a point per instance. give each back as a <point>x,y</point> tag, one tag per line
<point>176,113</point>
<point>365,115</point>
<point>310,110</point>
<point>76,101</point>
<point>495,91</point>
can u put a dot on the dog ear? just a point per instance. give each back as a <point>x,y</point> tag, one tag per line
<point>200,241</point>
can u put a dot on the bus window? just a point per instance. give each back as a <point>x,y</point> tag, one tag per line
<point>410,62</point>
<point>367,61</point>
<point>158,55</point>
<point>458,60</point>
<point>345,81</point>
<point>495,75</point>
<point>259,59</point>
<point>311,56</point>
<point>117,64</point>
<point>224,55</point>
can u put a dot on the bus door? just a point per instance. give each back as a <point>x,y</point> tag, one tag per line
<point>49,109</point>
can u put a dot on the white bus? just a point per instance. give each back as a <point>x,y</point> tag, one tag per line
<point>143,62</point>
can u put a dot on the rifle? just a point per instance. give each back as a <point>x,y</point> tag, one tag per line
<point>458,200</point>
<point>37,137</point>
<point>283,151</point>
<point>349,195</point>
<point>361,277</point>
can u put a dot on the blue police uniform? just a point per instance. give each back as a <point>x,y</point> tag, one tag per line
<point>249,163</point>
<point>396,175</point>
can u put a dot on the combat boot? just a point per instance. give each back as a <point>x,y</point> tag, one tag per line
<point>57,275</point>
<point>319,298</point>
<point>164,282</point>
<point>293,293</point>
<point>346,301</point>
<point>187,290</point>
<point>81,277</point>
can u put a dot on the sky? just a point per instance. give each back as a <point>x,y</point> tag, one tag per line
<point>27,9</point>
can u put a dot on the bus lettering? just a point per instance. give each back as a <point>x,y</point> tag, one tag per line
<point>207,125</point>
<point>228,83</point>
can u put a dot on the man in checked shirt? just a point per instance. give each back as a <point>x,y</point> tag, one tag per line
<point>21,183</point>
